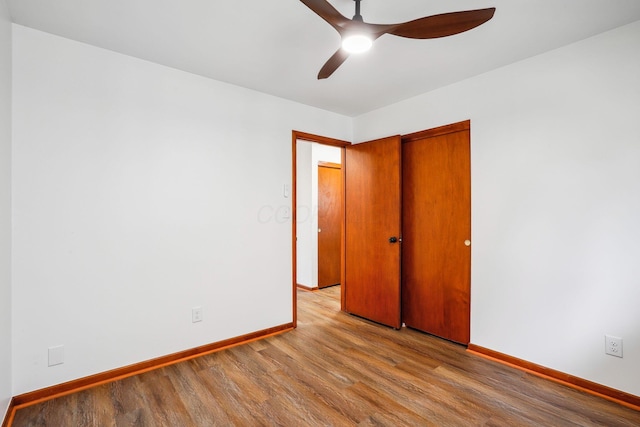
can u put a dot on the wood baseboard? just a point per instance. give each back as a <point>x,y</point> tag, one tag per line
<point>620,397</point>
<point>8,417</point>
<point>73,386</point>
<point>306,288</point>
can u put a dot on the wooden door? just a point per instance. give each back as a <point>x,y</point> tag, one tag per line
<point>437,231</point>
<point>373,215</point>
<point>329,223</point>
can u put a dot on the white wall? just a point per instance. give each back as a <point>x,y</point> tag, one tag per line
<point>555,202</point>
<point>309,155</point>
<point>5,208</point>
<point>140,192</point>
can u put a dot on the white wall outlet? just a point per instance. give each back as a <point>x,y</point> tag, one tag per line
<point>613,345</point>
<point>196,314</point>
<point>56,355</point>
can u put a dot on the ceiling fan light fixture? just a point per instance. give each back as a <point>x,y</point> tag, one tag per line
<point>357,43</point>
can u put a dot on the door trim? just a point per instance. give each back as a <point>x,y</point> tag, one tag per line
<point>440,130</point>
<point>329,165</point>
<point>309,137</point>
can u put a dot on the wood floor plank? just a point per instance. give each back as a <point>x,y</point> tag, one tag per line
<point>161,395</point>
<point>390,412</point>
<point>197,396</point>
<point>417,395</point>
<point>131,407</point>
<point>333,370</point>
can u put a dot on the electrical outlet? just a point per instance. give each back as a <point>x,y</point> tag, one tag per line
<point>613,345</point>
<point>196,314</point>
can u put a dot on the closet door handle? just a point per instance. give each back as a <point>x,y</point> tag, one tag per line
<point>393,239</point>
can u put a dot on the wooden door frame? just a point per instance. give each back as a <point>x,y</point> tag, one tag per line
<point>323,140</point>
<point>440,130</point>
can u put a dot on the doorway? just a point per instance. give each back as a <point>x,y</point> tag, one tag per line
<point>318,213</point>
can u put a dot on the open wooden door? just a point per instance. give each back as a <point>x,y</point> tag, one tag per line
<point>372,230</point>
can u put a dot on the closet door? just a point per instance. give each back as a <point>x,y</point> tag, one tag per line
<point>329,223</point>
<point>436,291</point>
<point>372,230</point>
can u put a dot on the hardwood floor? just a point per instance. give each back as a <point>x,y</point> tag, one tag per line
<point>333,370</point>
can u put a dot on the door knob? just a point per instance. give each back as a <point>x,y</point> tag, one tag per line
<point>467,242</point>
<point>393,239</point>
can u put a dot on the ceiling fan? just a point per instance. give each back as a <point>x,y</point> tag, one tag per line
<point>358,36</point>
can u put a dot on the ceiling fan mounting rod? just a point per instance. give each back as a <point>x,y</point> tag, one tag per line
<point>357,16</point>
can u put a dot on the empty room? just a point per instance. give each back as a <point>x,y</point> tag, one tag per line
<point>319,212</point>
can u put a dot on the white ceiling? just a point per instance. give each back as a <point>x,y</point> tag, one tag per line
<point>278,46</point>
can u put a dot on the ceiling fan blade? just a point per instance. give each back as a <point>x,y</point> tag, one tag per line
<point>333,63</point>
<point>446,24</point>
<point>327,12</point>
